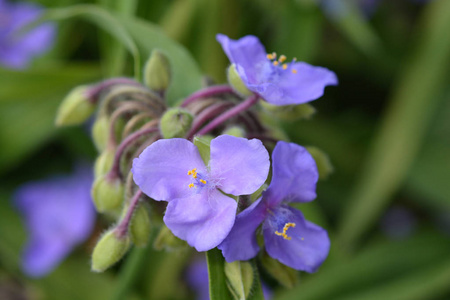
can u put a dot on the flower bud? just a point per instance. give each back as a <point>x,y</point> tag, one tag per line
<point>202,143</point>
<point>109,250</point>
<point>104,162</point>
<point>100,132</point>
<point>167,241</point>
<point>236,82</point>
<point>157,73</point>
<point>175,123</point>
<point>107,194</point>
<point>235,131</point>
<point>286,276</point>
<point>289,112</point>
<point>140,227</point>
<point>323,162</point>
<point>75,108</point>
<point>240,277</point>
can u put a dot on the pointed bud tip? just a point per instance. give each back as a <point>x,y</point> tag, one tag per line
<point>157,71</point>
<point>75,108</point>
<point>108,251</point>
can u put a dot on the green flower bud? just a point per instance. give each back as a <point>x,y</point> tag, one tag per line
<point>100,132</point>
<point>75,108</point>
<point>323,162</point>
<point>140,227</point>
<point>157,72</point>
<point>236,82</point>
<point>107,194</point>
<point>286,276</point>
<point>289,112</point>
<point>202,143</point>
<point>240,277</point>
<point>104,162</point>
<point>175,122</point>
<point>235,131</point>
<point>167,241</point>
<point>109,250</point>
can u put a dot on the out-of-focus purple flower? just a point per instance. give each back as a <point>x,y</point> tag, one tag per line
<point>198,212</point>
<point>277,82</point>
<point>59,215</point>
<point>197,279</point>
<point>288,237</point>
<point>16,49</point>
<point>338,9</point>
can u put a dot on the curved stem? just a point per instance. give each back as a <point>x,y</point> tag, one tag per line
<point>122,229</point>
<point>93,93</point>
<point>249,102</point>
<point>115,170</point>
<point>207,92</point>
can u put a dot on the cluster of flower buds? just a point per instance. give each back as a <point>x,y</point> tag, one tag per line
<point>204,165</point>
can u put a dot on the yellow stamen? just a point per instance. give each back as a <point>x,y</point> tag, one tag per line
<point>203,181</point>
<point>274,55</point>
<point>285,228</point>
<point>275,63</point>
<point>284,66</point>
<point>294,71</point>
<point>191,185</point>
<point>269,56</point>
<point>282,58</point>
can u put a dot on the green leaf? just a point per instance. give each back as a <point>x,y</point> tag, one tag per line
<point>104,20</point>
<point>186,75</point>
<point>401,133</point>
<point>217,280</point>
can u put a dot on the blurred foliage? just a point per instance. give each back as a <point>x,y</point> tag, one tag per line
<point>386,129</point>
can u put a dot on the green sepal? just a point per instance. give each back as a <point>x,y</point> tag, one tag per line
<point>166,240</point>
<point>289,112</point>
<point>140,227</point>
<point>323,162</point>
<point>75,108</point>
<point>240,278</point>
<point>108,194</point>
<point>236,82</point>
<point>104,162</point>
<point>203,144</point>
<point>175,123</point>
<point>235,131</point>
<point>285,275</point>
<point>100,132</point>
<point>157,71</point>
<point>109,250</point>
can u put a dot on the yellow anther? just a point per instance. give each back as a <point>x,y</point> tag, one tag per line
<point>274,55</point>
<point>282,58</point>
<point>203,181</point>
<point>275,63</point>
<point>191,185</point>
<point>294,71</point>
<point>189,172</point>
<point>284,66</point>
<point>285,228</point>
<point>269,56</point>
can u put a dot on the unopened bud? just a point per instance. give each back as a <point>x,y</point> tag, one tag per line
<point>167,241</point>
<point>107,194</point>
<point>236,81</point>
<point>75,108</point>
<point>100,132</point>
<point>289,112</point>
<point>140,227</point>
<point>235,131</point>
<point>104,162</point>
<point>109,250</point>
<point>175,123</point>
<point>286,276</point>
<point>323,162</point>
<point>157,73</point>
<point>240,277</point>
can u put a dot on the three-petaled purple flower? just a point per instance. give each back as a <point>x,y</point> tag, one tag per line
<point>17,50</point>
<point>58,215</point>
<point>273,79</point>
<point>198,210</point>
<point>288,237</point>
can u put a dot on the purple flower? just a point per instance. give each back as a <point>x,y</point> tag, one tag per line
<point>58,215</point>
<point>277,82</point>
<point>198,210</point>
<point>288,237</point>
<point>16,50</point>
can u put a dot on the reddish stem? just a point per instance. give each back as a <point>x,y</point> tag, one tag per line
<point>207,92</point>
<point>206,114</point>
<point>122,229</point>
<point>93,93</point>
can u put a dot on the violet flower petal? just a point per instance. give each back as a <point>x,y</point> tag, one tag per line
<point>59,215</point>
<point>203,219</point>
<point>241,243</point>
<point>294,175</point>
<point>238,165</point>
<point>161,169</point>
<point>308,246</point>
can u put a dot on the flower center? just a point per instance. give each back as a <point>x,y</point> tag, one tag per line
<point>285,228</point>
<point>280,62</point>
<point>198,178</point>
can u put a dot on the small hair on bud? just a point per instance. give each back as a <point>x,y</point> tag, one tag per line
<point>109,250</point>
<point>108,194</point>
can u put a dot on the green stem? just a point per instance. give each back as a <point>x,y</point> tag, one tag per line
<point>217,283</point>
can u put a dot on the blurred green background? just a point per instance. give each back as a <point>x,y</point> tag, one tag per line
<point>385,127</point>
